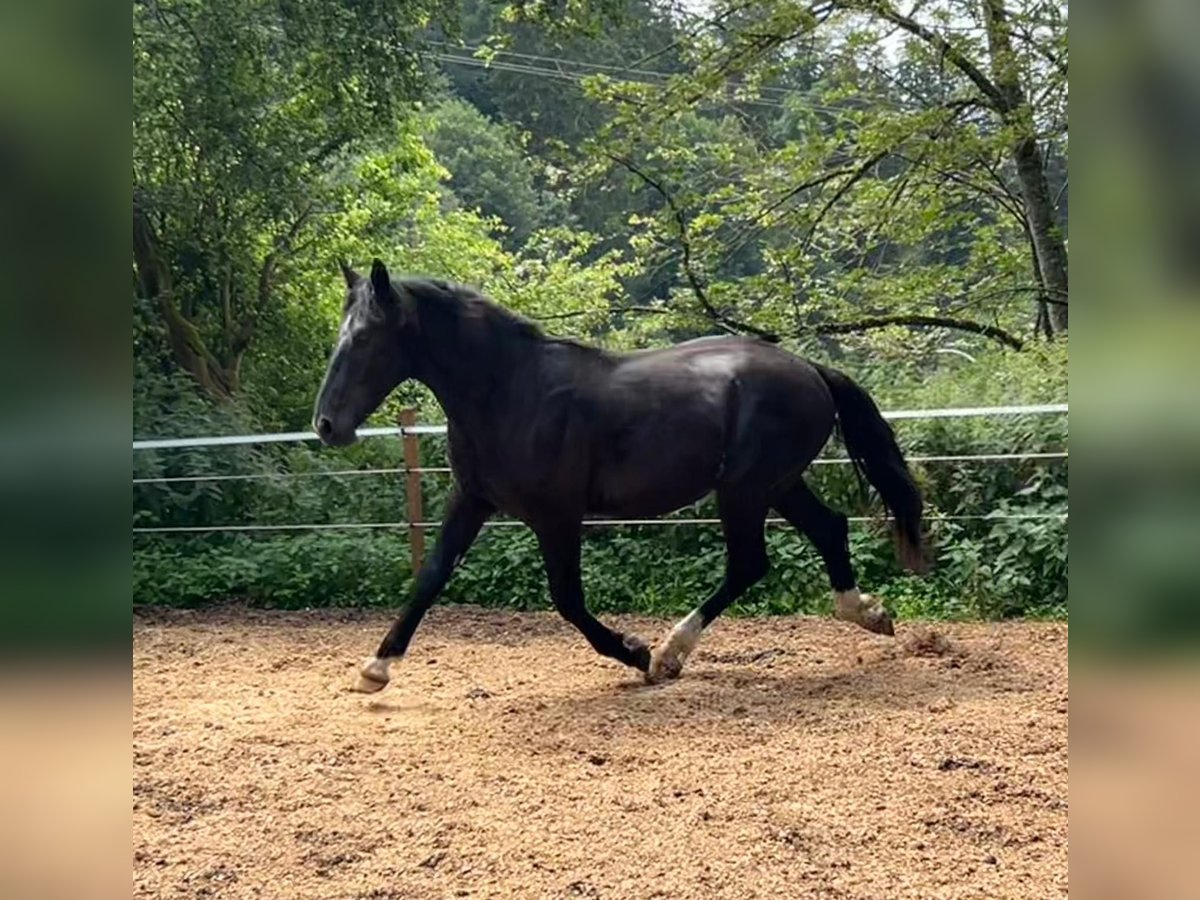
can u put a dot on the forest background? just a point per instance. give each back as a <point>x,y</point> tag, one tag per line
<point>877,186</point>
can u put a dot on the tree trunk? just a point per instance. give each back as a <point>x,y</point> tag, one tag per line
<point>1043,323</point>
<point>1050,250</point>
<point>1004,93</point>
<point>1043,228</point>
<point>187,345</point>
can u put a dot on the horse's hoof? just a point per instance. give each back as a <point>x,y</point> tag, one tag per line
<point>864,611</point>
<point>663,667</point>
<point>639,651</point>
<point>875,618</point>
<point>372,677</point>
<point>366,685</point>
<point>879,622</point>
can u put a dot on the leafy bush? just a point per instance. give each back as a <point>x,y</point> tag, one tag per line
<point>291,572</point>
<point>988,564</point>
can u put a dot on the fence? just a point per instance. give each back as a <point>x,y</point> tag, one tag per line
<point>410,433</point>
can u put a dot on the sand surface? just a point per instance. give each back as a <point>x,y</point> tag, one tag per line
<point>796,757</point>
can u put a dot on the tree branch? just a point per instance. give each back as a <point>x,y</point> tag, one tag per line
<point>730,324</point>
<point>154,283</point>
<point>282,244</point>
<point>854,179</point>
<point>707,23</point>
<point>640,310</point>
<point>918,321</point>
<point>1057,62</point>
<point>1025,289</point>
<point>1002,197</point>
<point>793,191</point>
<point>154,278</point>
<point>895,193</point>
<point>886,11</point>
<point>1062,190</point>
<point>756,226</point>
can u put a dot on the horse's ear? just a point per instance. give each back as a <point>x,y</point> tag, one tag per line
<point>352,277</point>
<point>381,281</point>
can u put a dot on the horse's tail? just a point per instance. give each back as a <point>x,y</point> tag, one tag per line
<point>873,449</point>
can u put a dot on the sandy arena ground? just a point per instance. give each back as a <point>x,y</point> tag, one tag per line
<point>796,758</point>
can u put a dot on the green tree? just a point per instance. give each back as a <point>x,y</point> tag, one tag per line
<point>240,109</point>
<point>895,190</point>
<point>526,67</point>
<point>395,203</point>
<point>490,171</point>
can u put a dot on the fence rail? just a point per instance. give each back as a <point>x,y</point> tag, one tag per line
<point>417,526</point>
<point>591,523</point>
<point>962,412</point>
<point>445,470</point>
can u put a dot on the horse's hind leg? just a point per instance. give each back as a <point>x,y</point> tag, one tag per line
<point>746,562</point>
<point>829,532</point>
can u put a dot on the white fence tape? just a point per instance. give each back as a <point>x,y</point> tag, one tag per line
<point>963,412</point>
<point>508,523</point>
<point>446,470</point>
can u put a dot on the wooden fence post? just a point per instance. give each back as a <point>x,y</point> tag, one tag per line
<point>416,510</point>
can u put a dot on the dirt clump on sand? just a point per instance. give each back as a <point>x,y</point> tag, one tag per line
<point>922,640</point>
<point>796,757</point>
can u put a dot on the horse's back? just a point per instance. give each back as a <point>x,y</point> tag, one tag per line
<point>767,382</point>
<point>674,422</point>
<point>657,435</point>
<point>781,411</point>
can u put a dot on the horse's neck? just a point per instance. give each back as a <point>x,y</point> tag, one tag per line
<point>468,381</point>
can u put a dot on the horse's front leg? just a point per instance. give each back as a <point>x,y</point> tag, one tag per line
<point>465,515</point>
<point>560,544</point>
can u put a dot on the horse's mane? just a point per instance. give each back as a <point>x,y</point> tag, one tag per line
<point>461,304</point>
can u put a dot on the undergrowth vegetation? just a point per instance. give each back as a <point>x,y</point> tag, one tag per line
<point>855,181</point>
<point>993,563</point>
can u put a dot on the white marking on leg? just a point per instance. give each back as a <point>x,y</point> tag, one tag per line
<point>374,675</point>
<point>862,609</point>
<point>666,660</point>
<point>686,634</point>
<point>848,605</point>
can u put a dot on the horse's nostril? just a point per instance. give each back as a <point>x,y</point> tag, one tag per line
<point>324,427</point>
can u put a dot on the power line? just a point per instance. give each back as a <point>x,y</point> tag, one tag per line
<point>558,60</point>
<point>268,476</point>
<point>573,77</point>
<point>558,74</point>
<point>579,63</point>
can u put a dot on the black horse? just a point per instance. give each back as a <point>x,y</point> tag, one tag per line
<point>548,430</point>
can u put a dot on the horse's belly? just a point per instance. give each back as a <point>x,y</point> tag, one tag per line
<point>646,505</point>
<point>653,486</point>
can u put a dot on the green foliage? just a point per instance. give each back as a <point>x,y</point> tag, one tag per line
<point>293,572</point>
<point>627,174</point>
<point>239,110</point>
<point>883,189</point>
<point>395,203</point>
<point>491,173</point>
<point>985,567</point>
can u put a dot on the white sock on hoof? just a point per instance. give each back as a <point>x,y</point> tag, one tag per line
<point>684,637</point>
<point>667,658</point>
<point>373,676</point>
<point>848,605</point>
<point>863,610</point>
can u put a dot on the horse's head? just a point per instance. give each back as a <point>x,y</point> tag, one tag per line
<point>367,360</point>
